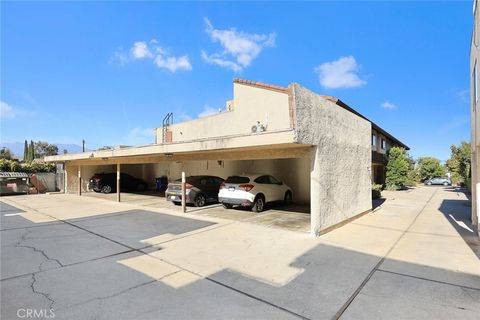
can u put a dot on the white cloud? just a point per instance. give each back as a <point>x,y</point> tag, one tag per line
<point>239,48</point>
<point>216,59</point>
<point>6,111</point>
<point>120,57</point>
<point>152,51</point>
<point>341,73</point>
<point>140,50</point>
<point>388,105</point>
<point>173,63</point>
<point>182,116</point>
<point>208,111</point>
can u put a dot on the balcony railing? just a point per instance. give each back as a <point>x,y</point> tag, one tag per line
<point>378,157</point>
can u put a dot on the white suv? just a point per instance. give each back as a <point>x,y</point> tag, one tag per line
<point>253,190</point>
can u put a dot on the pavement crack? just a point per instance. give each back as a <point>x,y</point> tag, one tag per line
<point>23,238</point>
<point>45,295</point>
<point>101,299</point>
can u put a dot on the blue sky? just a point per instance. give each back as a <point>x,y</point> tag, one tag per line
<point>109,72</point>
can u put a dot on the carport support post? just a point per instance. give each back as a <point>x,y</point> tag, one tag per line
<point>65,179</point>
<point>118,182</point>
<point>184,194</point>
<point>79,180</point>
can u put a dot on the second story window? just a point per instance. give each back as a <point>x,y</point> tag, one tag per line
<point>384,144</point>
<point>374,140</point>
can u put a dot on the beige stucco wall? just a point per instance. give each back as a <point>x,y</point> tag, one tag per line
<point>340,171</point>
<point>250,104</point>
<point>475,118</point>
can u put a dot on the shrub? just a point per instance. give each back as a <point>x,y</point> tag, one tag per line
<point>15,166</point>
<point>376,191</point>
<point>397,168</point>
<point>468,183</point>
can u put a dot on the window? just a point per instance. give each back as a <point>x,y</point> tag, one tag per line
<point>384,144</point>
<point>262,179</point>
<point>274,180</point>
<point>237,179</point>
<point>217,180</point>
<point>374,140</point>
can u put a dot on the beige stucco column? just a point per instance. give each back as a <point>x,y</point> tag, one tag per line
<point>315,190</point>
<point>79,192</point>
<point>118,182</point>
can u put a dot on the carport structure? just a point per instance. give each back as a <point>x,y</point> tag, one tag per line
<point>319,148</point>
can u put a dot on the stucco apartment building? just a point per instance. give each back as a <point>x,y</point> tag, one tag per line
<point>328,153</point>
<point>474,118</point>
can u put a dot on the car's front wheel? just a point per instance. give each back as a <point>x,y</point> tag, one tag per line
<point>287,200</point>
<point>258,204</point>
<point>200,200</point>
<point>106,189</point>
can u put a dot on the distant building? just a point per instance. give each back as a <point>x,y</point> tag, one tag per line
<point>475,120</point>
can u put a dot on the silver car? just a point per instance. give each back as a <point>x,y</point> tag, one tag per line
<point>439,181</point>
<point>200,190</point>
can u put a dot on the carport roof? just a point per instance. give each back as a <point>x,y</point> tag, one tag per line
<point>266,145</point>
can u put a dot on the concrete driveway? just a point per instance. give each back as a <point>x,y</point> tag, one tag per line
<point>414,257</point>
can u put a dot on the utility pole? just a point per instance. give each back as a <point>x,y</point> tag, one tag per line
<point>83,145</point>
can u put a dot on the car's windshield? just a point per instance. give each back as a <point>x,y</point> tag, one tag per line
<point>237,179</point>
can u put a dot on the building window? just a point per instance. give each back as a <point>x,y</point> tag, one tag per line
<point>374,140</point>
<point>384,144</point>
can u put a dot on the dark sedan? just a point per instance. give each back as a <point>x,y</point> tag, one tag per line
<point>107,182</point>
<point>200,190</point>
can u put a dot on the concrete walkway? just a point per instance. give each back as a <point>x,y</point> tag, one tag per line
<point>413,258</point>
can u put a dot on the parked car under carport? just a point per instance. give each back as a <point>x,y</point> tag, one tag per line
<point>200,190</point>
<point>107,182</point>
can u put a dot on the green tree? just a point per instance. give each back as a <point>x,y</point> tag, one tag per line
<point>397,168</point>
<point>44,149</point>
<point>5,153</point>
<point>460,162</point>
<point>31,149</point>
<point>429,167</point>
<point>25,151</point>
